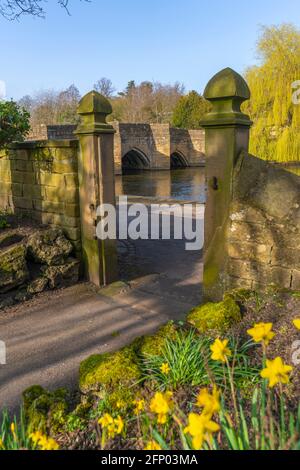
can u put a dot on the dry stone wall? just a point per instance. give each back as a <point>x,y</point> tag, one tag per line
<point>264,228</point>
<point>39,180</point>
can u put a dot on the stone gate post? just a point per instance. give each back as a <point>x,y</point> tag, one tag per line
<point>96,185</point>
<point>226,135</point>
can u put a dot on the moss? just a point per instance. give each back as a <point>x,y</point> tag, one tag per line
<point>217,317</point>
<point>107,372</point>
<point>154,345</point>
<point>45,411</point>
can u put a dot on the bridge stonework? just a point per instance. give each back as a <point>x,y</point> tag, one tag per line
<point>150,145</point>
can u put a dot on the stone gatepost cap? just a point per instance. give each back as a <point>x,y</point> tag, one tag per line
<point>94,103</point>
<point>227,84</point>
<point>94,108</point>
<point>226,91</point>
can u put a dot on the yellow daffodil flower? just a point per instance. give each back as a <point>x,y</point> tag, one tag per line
<point>139,406</point>
<point>220,351</point>
<point>161,405</point>
<point>209,402</point>
<point>165,368</point>
<point>262,333</point>
<point>201,428</point>
<point>297,323</point>
<point>119,425</point>
<point>43,442</point>
<point>276,372</point>
<point>152,445</point>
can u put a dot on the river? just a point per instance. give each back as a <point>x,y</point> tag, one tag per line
<point>186,184</point>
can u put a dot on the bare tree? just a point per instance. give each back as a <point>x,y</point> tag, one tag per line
<point>105,87</point>
<point>14,9</point>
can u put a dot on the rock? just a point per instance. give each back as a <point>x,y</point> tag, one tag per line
<point>6,302</point>
<point>37,286</point>
<point>9,237</point>
<point>49,247</point>
<point>113,376</point>
<point>22,295</point>
<point>45,411</point>
<point>215,317</point>
<point>13,267</point>
<point>64,275</point>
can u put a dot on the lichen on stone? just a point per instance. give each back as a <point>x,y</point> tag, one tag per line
<point>215,317</point>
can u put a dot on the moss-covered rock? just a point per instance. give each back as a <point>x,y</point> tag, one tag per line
<point>215,317</point>
<point>13,267</point>
<point>45,411</point>
<point>110,372</point>
<point>153,345</point>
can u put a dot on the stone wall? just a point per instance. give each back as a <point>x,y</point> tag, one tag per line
<point>39,180</point>
<point>264,229</point>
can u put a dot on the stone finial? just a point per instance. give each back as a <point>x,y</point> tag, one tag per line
<point>94,109</point>
<point>226,91</point>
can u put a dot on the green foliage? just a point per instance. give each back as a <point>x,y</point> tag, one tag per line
<point>14,123</point>
<point>275,134</point>
<point>3,220</point>
<point>269,427</point>
<point>189,111</point>
<point>188,356</point>
<point>215,317</point>
<point>13,432</point>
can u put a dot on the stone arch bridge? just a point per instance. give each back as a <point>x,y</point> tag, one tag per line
<point>142,146</point>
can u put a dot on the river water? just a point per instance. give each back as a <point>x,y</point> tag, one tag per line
<point>187,184</point>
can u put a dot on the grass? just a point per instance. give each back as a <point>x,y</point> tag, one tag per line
<point>189,360</point>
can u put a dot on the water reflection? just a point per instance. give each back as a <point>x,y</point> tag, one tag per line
<point>183,184</point>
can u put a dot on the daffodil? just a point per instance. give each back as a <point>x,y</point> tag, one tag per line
<point>276,371</point>
<point>13,430</point>
<point>112,425</point>
<point>139,406</point>
<point>209,402</point>
<point>161,405</point>
<point>152,445</point>
<point>220,351</point>
<point>1,445</point>
<point>165,368</point>
<point>297,323</point>
<point>262,333</point>
<point>201,429</point>
<point>119,425</point>
<point>106,420</point>
<point>43,442</point>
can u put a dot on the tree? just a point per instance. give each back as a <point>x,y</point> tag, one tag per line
<point>105,87</point>
<point>14,9</point>
<point>14,123</point>
<point>189,111</point>
<point>52,107</point>
<point>275,134</point>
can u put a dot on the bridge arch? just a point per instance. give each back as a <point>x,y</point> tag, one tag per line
<point>178,160</point>
<point>135,159</point>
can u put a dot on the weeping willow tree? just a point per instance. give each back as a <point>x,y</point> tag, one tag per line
<point>276,131</point>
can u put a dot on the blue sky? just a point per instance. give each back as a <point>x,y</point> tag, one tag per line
<point>165,40</point>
